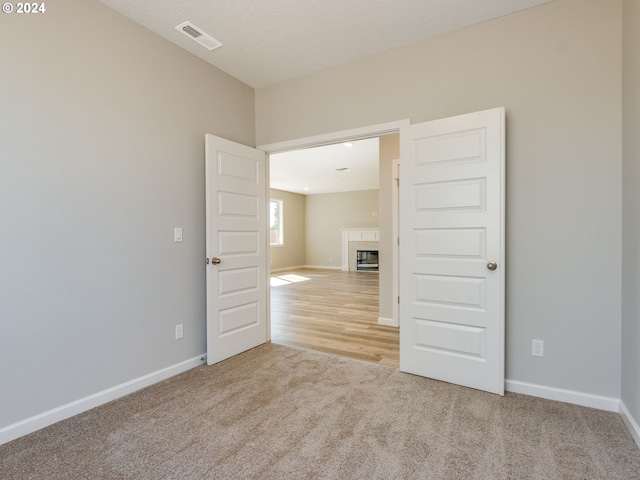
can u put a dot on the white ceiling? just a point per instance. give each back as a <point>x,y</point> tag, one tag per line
<point>268,41</point>
<point>314,170</point>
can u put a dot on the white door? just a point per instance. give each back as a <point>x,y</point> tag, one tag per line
<point>452,250</point>
<point>235,249</point>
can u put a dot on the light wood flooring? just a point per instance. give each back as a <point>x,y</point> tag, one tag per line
<point>331,311</point>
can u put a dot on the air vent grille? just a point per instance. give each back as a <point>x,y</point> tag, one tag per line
<point>188,29</point>
<point>197,34</point>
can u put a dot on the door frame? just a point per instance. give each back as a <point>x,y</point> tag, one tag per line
<point>395,249</point>
<point>318,141</point>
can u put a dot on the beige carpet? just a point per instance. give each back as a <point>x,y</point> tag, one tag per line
<point>277,412</point>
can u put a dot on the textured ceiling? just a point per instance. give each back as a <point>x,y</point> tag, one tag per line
<point>268,41</point>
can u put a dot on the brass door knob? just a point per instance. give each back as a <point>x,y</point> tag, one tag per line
<point>492,265</point>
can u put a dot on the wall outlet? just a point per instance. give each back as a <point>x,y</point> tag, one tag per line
<point>537,348</point>
<point>179,331</point>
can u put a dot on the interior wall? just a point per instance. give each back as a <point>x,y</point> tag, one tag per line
<point>389,151</point>
<point>101,156</point>
<point>631,209</point>
<point>291,254</point>
<point>557,71</point>
<point>326,214</point>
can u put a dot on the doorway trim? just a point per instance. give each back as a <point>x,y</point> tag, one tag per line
<point>327,139</point>
<point>335,137</point>
<point>395,197</point>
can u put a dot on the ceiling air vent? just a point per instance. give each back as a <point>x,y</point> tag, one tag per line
<point>195,33</point>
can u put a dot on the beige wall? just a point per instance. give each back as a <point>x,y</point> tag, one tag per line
<point>291,254</point>
<point>326,214</point>
<point>102,128</point>
<point>631,210</point>
<point>389,151</point>
<point>557,71</point>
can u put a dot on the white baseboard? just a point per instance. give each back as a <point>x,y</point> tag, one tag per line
<point>569,396</point>
<point>285,269</point>
<point>320,267</point>
<point>333,267</point>
<point>389,322</point>
<point>41,420</point>
<point>630,422</point>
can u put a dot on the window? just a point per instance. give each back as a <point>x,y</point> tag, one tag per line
<point>276,232</point>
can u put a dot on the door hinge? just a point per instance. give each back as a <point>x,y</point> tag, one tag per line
<point>398,241</point>
<point>398,299</point>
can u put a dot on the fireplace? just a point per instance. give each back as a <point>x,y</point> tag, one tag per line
<point>367,260</point>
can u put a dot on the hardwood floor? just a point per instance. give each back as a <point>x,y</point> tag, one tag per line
<point>331,311</point>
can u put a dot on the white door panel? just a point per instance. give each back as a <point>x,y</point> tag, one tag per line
<point>451,243</point>
<point>236,226</point>
<point>452,226</point>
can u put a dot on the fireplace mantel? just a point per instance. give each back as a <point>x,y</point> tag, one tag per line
<point>356,235</point>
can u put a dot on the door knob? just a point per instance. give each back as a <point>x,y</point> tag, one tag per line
<point>215,260</point>
<point>492,265</point>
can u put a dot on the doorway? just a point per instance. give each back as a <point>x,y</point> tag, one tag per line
<point>452,219</point>
<point>388,322</point>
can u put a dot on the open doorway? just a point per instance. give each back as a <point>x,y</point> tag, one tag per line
<point>326,285</point>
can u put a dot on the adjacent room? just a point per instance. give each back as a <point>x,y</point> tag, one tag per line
<point>106,112</point>
<point>321,197</point>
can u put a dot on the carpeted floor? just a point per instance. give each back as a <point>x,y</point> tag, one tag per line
<point>277,412</point>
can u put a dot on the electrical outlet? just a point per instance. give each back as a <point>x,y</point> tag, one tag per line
<point>537,348</point>
<point>179,331</point>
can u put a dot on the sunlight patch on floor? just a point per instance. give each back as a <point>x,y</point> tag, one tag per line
<point>287,279</point>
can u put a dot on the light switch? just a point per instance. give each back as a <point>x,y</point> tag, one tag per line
<point>177,234</point>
